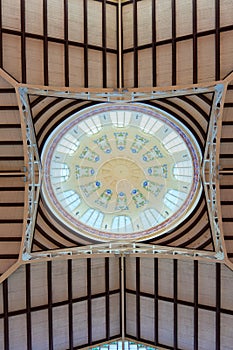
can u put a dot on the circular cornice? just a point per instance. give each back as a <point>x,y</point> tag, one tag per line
<point>121,172</point>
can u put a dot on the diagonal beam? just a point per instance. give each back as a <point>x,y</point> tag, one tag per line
<point>211,167</point>
<point>32,161</point>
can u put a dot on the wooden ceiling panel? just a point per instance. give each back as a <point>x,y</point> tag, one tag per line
<point>226,51</point>
<point>16,337</point>
<point>206,319</point>
<point>76,66</point>
<point>226,12</point>
<point>184,67</point>
<point>94,22</point>
<point>76,21</point>
<point>163,28</point>
<point>11,231</point>
<point>164,62</point>
<point>11,14</point>
<point>114,309</point>
<point>111,78</point>
<point>55,24</point>
<point>34,59</point>
<point>38,284</point>
<point>16,286</point>
<point>127,18</point>
<point>11,196</point>
<point>144,70</point>
<point>80,319</point>
<point>60,329</point>
<point>226,341</point>
<point>185,276</point>
<point>7,262</point>
<point>166,323</point>
<point>111,26</point>
<point>184,17</point>
<point>206,58</point>
<point>147,322</point>
<point>205,15</point>
<point>9,118</point>
<point>34,17</point>
<point>12,55</point>
<point>5,86</point>
<point>185,319</point>
<point>144,22</point>
<point>40,335</point>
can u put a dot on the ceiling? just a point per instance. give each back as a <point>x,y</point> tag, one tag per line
<point>61,290</point>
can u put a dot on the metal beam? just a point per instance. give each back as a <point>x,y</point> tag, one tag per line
<point>119,44</point>
<point>34,176</point>
<point>28,307</point>
<point>70,305</point>
<point>174,68</point>
<point>122,281</point>
<point>85,31</point>
<point>210,169</point>
<point>66,45</point>
<point>50,304</point>
<point>195,52</point>
<point>195,309</point>
<point>125,249</point>
<point>5,310</point>
<point>119,95</point>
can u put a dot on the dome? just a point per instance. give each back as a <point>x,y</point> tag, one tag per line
<point>121,171</point>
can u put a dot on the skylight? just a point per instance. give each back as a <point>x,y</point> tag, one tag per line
<point>120,171</point>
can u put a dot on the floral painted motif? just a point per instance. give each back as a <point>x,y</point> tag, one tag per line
<point>103,144</point>
<point>121,201</point>
<point>121,140</point>
<point>104,198</point>
<point>91,187</point>
<point>84,171</point>
<point>158,171</point>
<point>138,198</point>
<point>152,187</point>
<point>153,153</point>
<point>90,155</point>
<point>138,143</point>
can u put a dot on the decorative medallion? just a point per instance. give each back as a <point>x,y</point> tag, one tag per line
<point>123,171</point>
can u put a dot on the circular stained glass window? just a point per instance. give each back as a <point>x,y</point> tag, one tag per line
<point>123,171</point>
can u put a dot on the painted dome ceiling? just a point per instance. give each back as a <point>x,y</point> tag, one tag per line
<point>121,172</point>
